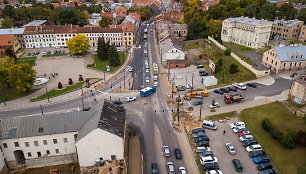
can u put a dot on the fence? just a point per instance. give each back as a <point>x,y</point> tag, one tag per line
<point>258,73</point>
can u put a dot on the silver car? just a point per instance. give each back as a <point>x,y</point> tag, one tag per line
<point>230,148</point>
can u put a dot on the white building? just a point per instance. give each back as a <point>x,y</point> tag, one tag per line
<point>103,131</point>
<point>171,50</point>
<point>245,31</point>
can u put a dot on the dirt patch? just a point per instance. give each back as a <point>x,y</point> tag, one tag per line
<point>116,167</point>
<point>64,168</point>
<point>192,53</point>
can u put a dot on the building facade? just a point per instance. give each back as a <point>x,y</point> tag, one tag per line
<point>288,30</point>
<point>284,59</point>
<point>298,89</point>
<point>245,31</point>
<point>179,30</point>
<point>173,16</point>
<point>9,42</point>
<point>303,34</point>
<point>17,32</point>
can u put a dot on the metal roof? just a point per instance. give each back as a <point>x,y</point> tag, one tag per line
<point>37,125</point>
<point>35,23</point>
<point>11,31</point>
<point>288,23</point>
<point>298,53</point>
<point>249,21</point>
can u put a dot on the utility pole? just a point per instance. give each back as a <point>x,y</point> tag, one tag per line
<point>191,83</point>
<point>104,76</point>
<point>124,79</point>
<point>201,107</point>
<point>3,97</point>
<point>172,89</point>
<point>111,86</point>
<point>47,92</point>
<point>168,71</point>
<point>41,109</point>
<point>178,111</point>
<point>129,84</point>
<point>82,94</point>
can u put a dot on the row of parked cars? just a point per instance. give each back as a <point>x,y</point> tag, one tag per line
<point>234,87</point>
<point>33,53</point>
<point>258,156</point>
<point>201,140</point>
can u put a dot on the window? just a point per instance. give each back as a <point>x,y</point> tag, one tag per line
<point>39,154</point>
<point>45,142</point>
<point>55,141</point>
<point>36,143</point>
<point>4,145</point>
<point>29,154</point>
<point>48,152</point>
<point>41,129</point>
<point>65,140</point>
<point>16,144</point>
<point>26,144</point>
<point>56,151</point>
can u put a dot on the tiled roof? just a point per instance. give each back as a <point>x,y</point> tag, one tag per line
<point>285,53</point>
<point>135,16</point>
<point>121,11</point>
<point>248,21</point>
<point>128,27</point>
<point>173,27</point>
<point>97,29</point>
<point>6,40</point>
<point>50,29</point>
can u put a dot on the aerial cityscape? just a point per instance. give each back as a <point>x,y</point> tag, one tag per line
<point>152,86</point>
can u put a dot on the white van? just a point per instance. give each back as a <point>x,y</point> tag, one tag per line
<point>209,125</point>
<point>254,147</point>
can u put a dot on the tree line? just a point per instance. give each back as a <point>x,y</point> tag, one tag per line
<point>107,51</point>
<point>202,23</point>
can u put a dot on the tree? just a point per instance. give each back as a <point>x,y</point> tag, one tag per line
<point>302,15</point>
<point>8,11</point>
<point>233,69</point>
<point>214,28</point>
<point>7,22</point>
<point>144,12</point>
<point>227,52</point>
<point>113,56</point>
<point>10,53</point>
<point>102,50</point>
<point>78,45</point>
<point>104,22</point>
<point>267,11</point>
<point>219,65</point>
<point>252,10</point>
<point>287,11</point>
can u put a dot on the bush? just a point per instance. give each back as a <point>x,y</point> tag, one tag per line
<point>227,52</point>
<point>266,124</point>
<point>288,139</point>
<point>301,138</point>
<point>91,65</point>
<point>233,69</point>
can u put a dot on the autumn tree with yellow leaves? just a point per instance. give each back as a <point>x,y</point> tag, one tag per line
<point>78,45</point>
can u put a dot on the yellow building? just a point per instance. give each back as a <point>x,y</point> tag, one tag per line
<point>298,89</point>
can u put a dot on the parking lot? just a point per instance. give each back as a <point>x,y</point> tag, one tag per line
<point>217,144</point>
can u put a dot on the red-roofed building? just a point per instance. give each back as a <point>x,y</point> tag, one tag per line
<point>205,4</point>
<point>173,16</point>
<point>121,12</point>
<point>129,33</point>
<point>9,42</point>
<point>109,15</point>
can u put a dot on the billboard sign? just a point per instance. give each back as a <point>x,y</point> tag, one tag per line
<point>212,65</point>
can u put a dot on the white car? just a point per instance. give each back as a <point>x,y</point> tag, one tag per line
<point>147,80</point>
<point>237,124</point>
<point>215,105</point>
<point>230,148</point>
<point>155,77</point>
<point>147,66</point>
<point>139,46</point>
<point>203,149</point>
<point>145,51</point>
<point>57,46</point>
<point>254,147</point>
<point>238,129</point>
<point>155,84</point>
<point>146,62</point>
<point>214,172</point>
<point>246,137</point>
<point>208,159</point>
<point>130,69</point>
<point>129,99</point>
<point>182,170</point>
<point>240,86</point>
<point>147,71</point>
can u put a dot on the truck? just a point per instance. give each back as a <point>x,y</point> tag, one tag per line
<point>147,91</point>
<point>198,94</point>
<point>233,98</point>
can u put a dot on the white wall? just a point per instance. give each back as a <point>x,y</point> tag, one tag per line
<point>2,164</point>
<point>64,148</point>
<point>99,143</point>
<point>173,54</point>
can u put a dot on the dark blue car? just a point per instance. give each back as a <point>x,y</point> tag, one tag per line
<point>197,103</point>
<point>261,159</point>
<point>218,91</point>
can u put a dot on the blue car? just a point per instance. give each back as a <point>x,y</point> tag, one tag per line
<point>197,103</point>
<point>261,159</point>
<point>218,91</point>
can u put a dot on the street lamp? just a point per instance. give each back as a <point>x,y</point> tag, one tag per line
<point>47,92</point>
<point>2,96</point>
<point>201,106</point>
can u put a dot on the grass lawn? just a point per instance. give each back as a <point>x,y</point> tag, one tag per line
<point>221,116</point>
<point>12,93</point>
<point>30,62</point>
<point>262,50</point>
<point>52,55</point>
<point>285,160</point>
<point>297,42</point>
<point>224,77</point>
<point>101,65</point>
<point>26,58</point>
<point>240,47</point>
<point>56,92</point>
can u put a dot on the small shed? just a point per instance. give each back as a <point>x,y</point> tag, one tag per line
<point>209,81</point>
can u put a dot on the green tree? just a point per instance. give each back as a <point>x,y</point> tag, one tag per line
<point>7,22</point>
<point>214,28</point>
<point>237,12</point>
<point>227,52</point>
<point>78,45</point>
<point>144,12</point>
<point>20,15</point>
<point>267,11</point>
<point>104,22</point>
<point>287,11</point>
<point>102,50</point>
<point>113,56</point>
<point>219,65</point>
<point>10,53</point>
<point>302,15</point>
<point>8,11</point>
<point>233,69</point>
<point>252,10</point>
<point>231,4</point>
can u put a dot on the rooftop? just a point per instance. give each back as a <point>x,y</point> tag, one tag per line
<point>172,27</point>
<point>288,23</point>
<point>35,23</point>
<point>6,40</point>
<point>11,31</point>
<point>291,53</point>
<point>249,21</point>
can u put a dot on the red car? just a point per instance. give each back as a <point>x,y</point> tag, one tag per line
<point>242,133</point>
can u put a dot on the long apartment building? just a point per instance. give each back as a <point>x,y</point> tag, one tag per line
<point>58,35</point>
<point>288,30</point>
<point>245,31</point>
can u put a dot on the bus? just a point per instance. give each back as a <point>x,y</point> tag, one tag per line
<point>155,69</point>
<point>147,91</point>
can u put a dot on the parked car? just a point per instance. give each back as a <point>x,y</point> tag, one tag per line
<point>254,147</point>
<point>198,134</point>
<point>237,124</point>
<point>29,54</point>
<point>207,153</point>
<point>237,165</point>
<point>215,105</point>
<point>240,86</point>
<point>166,151</point>
<point>117,102</point>
<point>189,86</point>
<point>232,88</point>
<point>253,85</point>
<point>180,88</point>
<point>200,66</point>
<point>147,80</point>
<point>225,90</point>
<point>155,84</point>
<point>214,172</point>
<point>218,91</point>
<point>155,77</point>
<point>244,132</point>
<point>230,148</point>
<point>203,73</point>
<point>261,159</point>
<point>246,137</point>
<point>154,168</point>
<point>198,102</point>
<point>202,149</point>
<point>268,171</point>
<point>211,166</point>
<point>147,70</point>
<point>86,108</point>
<point>129,99</point>
<point>178,153</point>
<point>202,138</point>
<point>246,143</point>
<point>208,159</point>
<point>202,143</point>
<point>256,153</point>
<point>264,166</point>
<point>145,51</point>
<point>238,129</point>
<point>196,130</point>
<point>170,167</point>
<point>182,170</point>
<point>130,69</point>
